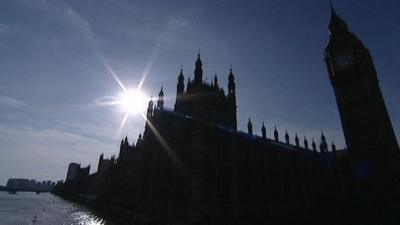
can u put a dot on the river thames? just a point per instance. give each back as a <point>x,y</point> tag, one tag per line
<point>44,209</point>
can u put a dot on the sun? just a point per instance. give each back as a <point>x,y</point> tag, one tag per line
<point>133,101</point>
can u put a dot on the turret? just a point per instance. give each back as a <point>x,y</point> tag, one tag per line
<point>314,146</point>
<point>305,143</point>
<point>123,148</point>
<point>100,162</point>
<point>263,131</point>
<point>198,71</point>
<point>160,101</point>
<point>287,137</point>
<point>181,86</point>
<point>179,92</point>
<point>333,148</point>
<point>296,140</point>
<point>250,127</point>
<point>276,135</point>
<point>126,142</point>
<point>231,85</point>
<point>232,99</point>
<point>216,81</point>
<point>150,108</point>
<point>323,147</point>
<point>188,85</point>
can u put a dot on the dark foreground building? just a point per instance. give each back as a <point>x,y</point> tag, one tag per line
<point>192,165</point>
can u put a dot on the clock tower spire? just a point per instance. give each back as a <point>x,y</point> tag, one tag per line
<point>365,120</point>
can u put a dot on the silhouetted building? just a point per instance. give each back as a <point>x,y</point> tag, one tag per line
<point>185,164</point>
<point>104,164</point>
<point>75,172</point>
<point>72,171</point>
<point>192,165</point>
<point>365,120</point>
<point>373,166</point>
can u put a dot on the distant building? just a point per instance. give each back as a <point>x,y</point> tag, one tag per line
<point>29,185</point>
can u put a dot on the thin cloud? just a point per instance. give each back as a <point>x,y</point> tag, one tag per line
<point>10,101</point>
<point>60,10</point>
<point>81,24</point>
<point>174,25</point>
<point>178,22</point>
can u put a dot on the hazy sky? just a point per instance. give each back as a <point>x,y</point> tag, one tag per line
<point>54,56</point>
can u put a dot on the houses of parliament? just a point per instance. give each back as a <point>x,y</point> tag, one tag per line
<point>192,165</point>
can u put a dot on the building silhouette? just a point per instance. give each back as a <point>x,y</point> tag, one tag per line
<point>192,165</point>
<point>366,123</point>
<point>206,101</point>
<point>76,172</point>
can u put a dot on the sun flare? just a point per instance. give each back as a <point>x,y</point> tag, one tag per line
<point>133,101</point>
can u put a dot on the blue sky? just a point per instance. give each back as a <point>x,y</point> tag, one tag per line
<point>53,73</point>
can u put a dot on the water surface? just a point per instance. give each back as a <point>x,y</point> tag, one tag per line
<point>22,208</point>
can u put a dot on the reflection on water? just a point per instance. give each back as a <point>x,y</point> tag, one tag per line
<point>44,209</point>
<point>83,218</point>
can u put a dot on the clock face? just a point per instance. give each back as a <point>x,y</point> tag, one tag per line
<point>344,60</point>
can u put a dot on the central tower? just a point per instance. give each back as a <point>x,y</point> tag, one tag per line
<point>207,101</point>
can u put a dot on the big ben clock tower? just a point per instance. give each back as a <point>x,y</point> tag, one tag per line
<point>366,124</point>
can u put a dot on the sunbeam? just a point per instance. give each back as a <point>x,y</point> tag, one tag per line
<point>148,66</point>
<point>110,70</point>
<point>175,160</point>
<point>131,101</point>
<point>122,124</point>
